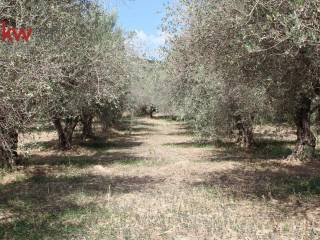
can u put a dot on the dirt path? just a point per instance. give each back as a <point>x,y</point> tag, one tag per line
<point>195,191</point>
<point>167,150</point>
<point>154,182</point>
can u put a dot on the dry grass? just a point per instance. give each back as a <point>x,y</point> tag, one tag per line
<point>156,183</point>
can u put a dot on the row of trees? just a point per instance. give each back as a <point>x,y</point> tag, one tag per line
<point>74,67</point>
<point>232,63</point>
<point>147,92</point>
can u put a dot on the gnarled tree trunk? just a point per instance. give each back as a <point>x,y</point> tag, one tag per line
<point>245,133</point>
<point>65,133</point>
<point>306,141</point>
<point>9,148</point>
<point>152,111</point>
<point>317,119</point>
<point>87,129</point>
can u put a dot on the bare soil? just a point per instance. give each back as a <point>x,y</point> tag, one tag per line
<point>152,180</point>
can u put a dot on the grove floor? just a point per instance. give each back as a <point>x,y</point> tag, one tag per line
<point>151,180</point>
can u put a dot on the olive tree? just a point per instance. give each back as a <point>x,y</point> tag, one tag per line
<point>74,61</point>
<point>285,37</point>
<point>212,77</point>
<point>258,54</point>
<point>25,67</point>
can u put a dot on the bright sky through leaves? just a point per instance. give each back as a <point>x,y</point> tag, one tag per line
<point>144,17</point>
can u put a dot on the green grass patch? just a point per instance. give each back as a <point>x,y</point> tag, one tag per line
<point>65,225</point>
<point>296,186</point>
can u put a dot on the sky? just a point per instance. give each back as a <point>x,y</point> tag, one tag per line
<point>143,17</point>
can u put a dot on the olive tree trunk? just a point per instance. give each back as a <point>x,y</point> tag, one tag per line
<point>306,141</point>
<point>65,133</point>
<point>152,111</point>
<point>245,132</point>
<point>9,148</point>
<point>87,128</point>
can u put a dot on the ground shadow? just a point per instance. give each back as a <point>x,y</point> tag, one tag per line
<point>83,161</point>
<point>226,145</point>
<point>273,148</point>
<point>103,150</point>
<point>100,143</point>
<point>140,129</point>
<point>293,188</point>
<point>134,125</point>
<point>168,118</point>
<point>263,149</point>
<point>94,143</point>
<point>44,206</point>
<point>45,145</point>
